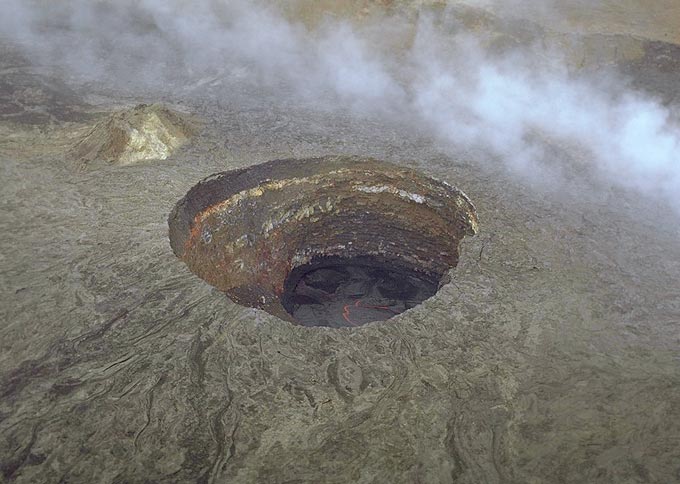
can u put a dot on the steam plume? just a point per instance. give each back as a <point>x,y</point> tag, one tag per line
<point>449,82</point>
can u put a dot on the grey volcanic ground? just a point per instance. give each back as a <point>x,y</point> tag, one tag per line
<point>552,356</point>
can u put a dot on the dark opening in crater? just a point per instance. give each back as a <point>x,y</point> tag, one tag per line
<point>334,241</point>
<point>340,292</point>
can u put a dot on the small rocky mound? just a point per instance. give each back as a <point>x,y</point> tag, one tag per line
<point>145,132</point>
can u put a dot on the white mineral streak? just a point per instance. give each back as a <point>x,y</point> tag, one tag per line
<point>259,190</point>
<point>297,215</point>
<point>305,256</point>
<point>414,197</point>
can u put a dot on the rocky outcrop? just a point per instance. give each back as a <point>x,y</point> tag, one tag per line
<point>145,132</point>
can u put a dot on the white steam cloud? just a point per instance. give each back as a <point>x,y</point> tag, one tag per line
<point>464,94</point>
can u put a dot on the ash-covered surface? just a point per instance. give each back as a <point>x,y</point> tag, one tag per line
<point>552,356</point>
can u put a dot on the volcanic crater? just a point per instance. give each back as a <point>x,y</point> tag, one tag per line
<point>334,241</point>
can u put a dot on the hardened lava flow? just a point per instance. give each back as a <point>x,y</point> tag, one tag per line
<point>334,241</point>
